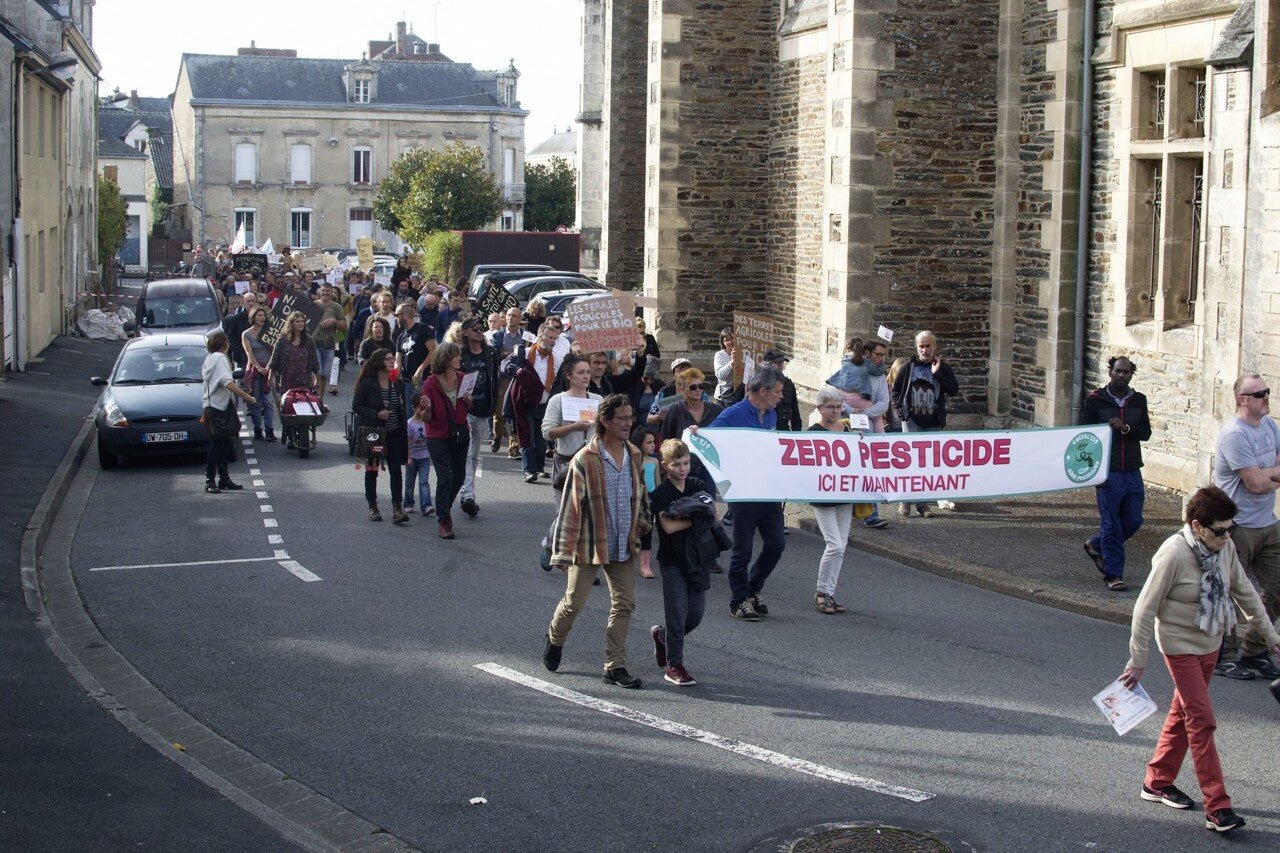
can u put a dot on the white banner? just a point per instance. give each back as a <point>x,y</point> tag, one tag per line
<point>762,465</point>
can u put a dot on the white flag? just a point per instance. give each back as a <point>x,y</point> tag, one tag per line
<point>237,245</point>
<point>268,248</point>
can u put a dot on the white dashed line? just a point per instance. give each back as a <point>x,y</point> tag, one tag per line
<point>259,482</point>
<point>262,496</point>
<point>180,565</point>
<point>266,508</point>
<point>295,568</point>
<point>681,730</point>
<point>275,539</point>
<point>270,522</point>
<point>255,472</point>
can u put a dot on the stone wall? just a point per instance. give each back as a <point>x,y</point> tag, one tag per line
<point>940,204</point>
<point>622,131</point>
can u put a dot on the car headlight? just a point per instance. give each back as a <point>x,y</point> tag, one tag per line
<point>111,413</point>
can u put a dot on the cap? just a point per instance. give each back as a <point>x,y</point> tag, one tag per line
<point>676,362</point>
<point>774,356</point>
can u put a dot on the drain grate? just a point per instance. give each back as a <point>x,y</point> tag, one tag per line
<point>870,839</point>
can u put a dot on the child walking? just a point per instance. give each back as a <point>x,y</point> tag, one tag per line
<point>419,465</point>
<point>649,448</point>
<point>684,585</point>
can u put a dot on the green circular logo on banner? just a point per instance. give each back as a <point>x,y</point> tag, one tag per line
<point>1084,458</point>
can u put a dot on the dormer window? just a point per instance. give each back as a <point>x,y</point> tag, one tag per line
<point>360,91</point>
<point>360,79</point>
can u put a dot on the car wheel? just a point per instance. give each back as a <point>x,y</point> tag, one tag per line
<point>106,460</point>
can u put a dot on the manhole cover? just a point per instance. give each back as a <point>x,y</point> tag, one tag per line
<point>881,839</point>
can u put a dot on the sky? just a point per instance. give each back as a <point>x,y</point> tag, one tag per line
<point>141,42</point>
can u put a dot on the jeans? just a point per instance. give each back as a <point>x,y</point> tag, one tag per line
<point>417,470</point>
<point>748,517</point>
<point>260,411</point>
<point>1190,724</point>
<point>621,577</point>
<point>683,606</point>
<point>910,426</point>
<point>478,427</point>
<point>533,459</point>
<point>1120,501</point>
<point>215,461</point>
<point>833,522</point>
<point>325,355</point>
<point>450,463</point>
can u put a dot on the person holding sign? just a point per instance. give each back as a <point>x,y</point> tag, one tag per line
<point>1190,597</point>
<point>294,363</point>
<point>569,417</point>
<point>447,434</point>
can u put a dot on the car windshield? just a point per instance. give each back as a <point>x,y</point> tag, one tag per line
<point>155,365</point>
<point>167,312</point>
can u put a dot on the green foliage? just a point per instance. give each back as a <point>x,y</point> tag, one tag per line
<point>159,205</point>
<point>112,221</point>
<point>549,195</point>
<point>442,254</point>
<point>429,191</point>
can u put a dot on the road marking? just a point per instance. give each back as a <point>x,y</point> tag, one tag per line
<point>259,482</point>
<point>262,496</point>
<point>275,539</point>
<point>270,522</point>
<point>255,472</point>
<point>295,568</point>
<point>265,508</point>
<point>680,729</point>
<point>179,565</point>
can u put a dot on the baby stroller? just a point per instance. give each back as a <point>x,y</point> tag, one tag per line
<point>301,411</point>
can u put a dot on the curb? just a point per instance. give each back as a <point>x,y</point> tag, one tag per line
<point>983,577</point>
<point>300,814</point>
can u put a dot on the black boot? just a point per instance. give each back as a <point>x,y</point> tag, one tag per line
<point>224,482</point>
<point>211,486</point>
<point>374,515</point>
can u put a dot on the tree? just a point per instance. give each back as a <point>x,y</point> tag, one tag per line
<point>159,205</point>
<point>113,220</point>
<point>549,195</point>
<point>430,191</point>
<point>441,254</point>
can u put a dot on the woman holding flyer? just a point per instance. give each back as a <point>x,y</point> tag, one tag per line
<point>448,401</point>
<point>1190,598</point>
<point>569,418</point>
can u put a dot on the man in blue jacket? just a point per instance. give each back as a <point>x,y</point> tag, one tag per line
<point>755,411</point>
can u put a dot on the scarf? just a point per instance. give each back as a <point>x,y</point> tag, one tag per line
<point>550,378</point>
<point>1217,614</point>
<point>874,369</point>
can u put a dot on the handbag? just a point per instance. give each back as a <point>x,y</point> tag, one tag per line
<point>560,471</point>
<point>222,423</point>
<point>371,442</point>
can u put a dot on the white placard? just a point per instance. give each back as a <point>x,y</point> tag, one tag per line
<point>242,287</point>
<point>574,409</point>
<point>305,408</point>
<point>1124,708</point>
<point>859,422</point>
<point>468,383</point>
<point>885,334</point>
<point>763,465</point>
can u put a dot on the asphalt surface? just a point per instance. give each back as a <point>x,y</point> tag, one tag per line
<point>71,776</point>
<point>363,685</point>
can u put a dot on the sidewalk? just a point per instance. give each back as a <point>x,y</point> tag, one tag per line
<point>71,777</point>
<point>1028,547</point>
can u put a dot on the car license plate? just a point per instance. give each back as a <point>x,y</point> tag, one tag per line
<point>157,437</point>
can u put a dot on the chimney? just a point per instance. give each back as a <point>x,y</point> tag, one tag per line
<point>433,48</point>
<point>402,38</point>
<point>254,50</point>
<point>134,104</point>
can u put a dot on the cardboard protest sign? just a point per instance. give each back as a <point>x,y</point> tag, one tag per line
<point>286,305</point>
<point>331,262</point>
<point>752,336</point>
<point>248,262</point>
<point>310,262</point>
<point>364,252</point>
<point>495,298</point>
<point>604,322</point>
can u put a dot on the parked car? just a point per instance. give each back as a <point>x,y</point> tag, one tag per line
<point>557,301</point>
<point>178,305</point>
<point>151,402</point>
<point>475,287</point>
<point>525,289</point>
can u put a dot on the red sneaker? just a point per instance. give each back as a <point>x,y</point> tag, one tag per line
<point>446,530</point>
<point>679,676</point>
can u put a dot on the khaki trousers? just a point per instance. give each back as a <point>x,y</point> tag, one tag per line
<point>621,578</point>
<point>1259,550</point>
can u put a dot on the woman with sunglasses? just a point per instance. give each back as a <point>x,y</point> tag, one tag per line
<point>692,410</point>
<point>1190,600</point>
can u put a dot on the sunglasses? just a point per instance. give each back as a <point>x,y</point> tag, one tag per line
<point>695,386</point>
<point>1258,395</point>
<point>1221,532</point>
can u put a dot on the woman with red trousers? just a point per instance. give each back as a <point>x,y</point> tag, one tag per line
<point>447,433</point>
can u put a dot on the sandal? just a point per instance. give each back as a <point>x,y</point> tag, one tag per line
<point>824,603</point>
<point>1115,584</point>
<point>840,608</point>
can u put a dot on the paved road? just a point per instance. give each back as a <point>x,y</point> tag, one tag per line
<point>363,685</point>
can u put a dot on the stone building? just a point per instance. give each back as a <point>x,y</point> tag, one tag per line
<point>562,144</point>
<point>294,148</point>
<point>841,164</point>
<point>48,169</point>
<point>134,147</point>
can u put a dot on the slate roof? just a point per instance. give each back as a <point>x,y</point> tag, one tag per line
<point>1235,45</point>
<point>266,79</point>
<point>117,148</point>
<point>161,150</point>
<point>562,144</point>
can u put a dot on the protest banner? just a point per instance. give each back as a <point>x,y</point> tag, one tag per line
<point>605,322</point>
<point>286,305</point>
<point>364,252</point>
<point>310,262</point>
<point>495,299</point>
<point>762,465</point>
<point>752,335</point>
<point>249,262</point>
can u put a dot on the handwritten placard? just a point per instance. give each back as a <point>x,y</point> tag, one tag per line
<point>604,322</point>
<point>364,252</point>
<point>752,336</point>
<point>574,409</point>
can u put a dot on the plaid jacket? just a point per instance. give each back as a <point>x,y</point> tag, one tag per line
<point>579,535</point>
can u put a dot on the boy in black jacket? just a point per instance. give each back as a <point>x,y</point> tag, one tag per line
<point>682,552</point>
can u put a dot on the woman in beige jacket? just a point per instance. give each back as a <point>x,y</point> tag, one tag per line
<point>1188,598</point>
